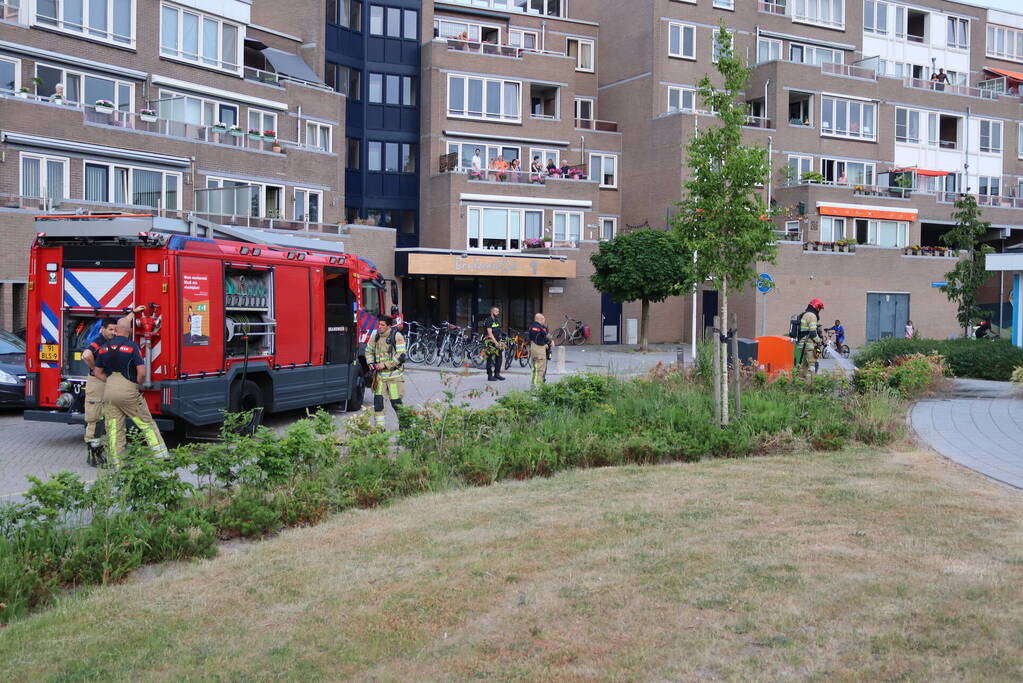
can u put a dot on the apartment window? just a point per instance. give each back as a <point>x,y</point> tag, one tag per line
<point>199,38</point>
<point>391,150</point>
<point>582,50</point>
<point>832,229</point>
<point>527,40</point>
<point>375,90</point>
<point>182,108</point>
<point>768,50</point>
<point>307,205</point>
<point>107,20</point>
<point>604,167</point>
<point>990,136</point>
<point>792,227</point>
<point>568,226</point>
<point>346,13</point>
<point>550,8</point>
<point>715,48</point>
<point>583,109</point>
<point>117,184</point>
<point>682,41</point>
<point>799,166</point>
<point>875,17</point>
<point>907,126</point>
<point>800,108</point>
<point>494,228</point>
<point>10,75</point>
<point>843,172</point>
<point>848,118</point>
<point>812,54</point>
<point>352,158</point>
<point>343,79</point>
<point>724,4</point>
<point>910,24</point>
<point>1005,43</point>
<point>887,233</point>
<point>608,228</point>
<point>408,158</point>
<point>44,176</point>
<point>83,88</point>
<point>393,29</point>
<point>392,89</point>
<point>376,20</point>
<point>483,98</point>
<point>545,156</point>
<point>465,152</point>
<point>822,12</point>
<point>318,135</point>
<point>262,120</point>
<point>243,198</point>
<point>410,28</point>
<point>989,185</point>
<point>958,33</point>
<point>681,99</point>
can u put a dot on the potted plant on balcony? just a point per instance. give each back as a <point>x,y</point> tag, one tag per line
<point>235,131</point>
<point>533,242</point>
<point>903,186</point>
<point>147,114</point>
<point>255,134</point>
<point>840,245</point>
<point>475,174</point>
<point>576,174</point>
<point>547,241</point>
<point>104,107</point>
<point>812,177</point>
<point>850,244</point>
<point>269,135</point>
<point>23,93</point>
<point>220,127</point>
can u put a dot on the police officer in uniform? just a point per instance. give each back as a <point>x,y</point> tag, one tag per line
<point>94,390</point>
<point>540,345</point>
<point>386,355</point>
<point>493,342</point>
<point>120,364</point>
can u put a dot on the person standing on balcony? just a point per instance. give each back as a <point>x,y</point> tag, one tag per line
<point>477,163</point>
<point>516,171</point>
<point>940,79</point>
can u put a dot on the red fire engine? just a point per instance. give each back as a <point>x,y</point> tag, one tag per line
<point>235,319</point>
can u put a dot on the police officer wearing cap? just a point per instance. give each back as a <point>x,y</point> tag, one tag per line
<point>119,362</point>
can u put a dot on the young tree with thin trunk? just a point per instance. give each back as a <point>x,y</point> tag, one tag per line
<point>645,265</point>
<point>969,274</point>
<point>723,217</point>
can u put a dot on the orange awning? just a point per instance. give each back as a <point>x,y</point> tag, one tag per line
<point>921,171</point>
<point>867,213</point>
<point>1012,75</point>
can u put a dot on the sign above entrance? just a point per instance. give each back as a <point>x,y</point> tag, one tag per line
<point>497,266</point>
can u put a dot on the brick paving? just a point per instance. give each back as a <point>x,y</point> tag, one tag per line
<point>980,426</point>
<point>42,449</point>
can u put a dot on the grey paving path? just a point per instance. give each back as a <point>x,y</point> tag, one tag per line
<point>42,449</point>
<point>979,425</point>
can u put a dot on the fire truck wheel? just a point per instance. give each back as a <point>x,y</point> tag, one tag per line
<point>248,396</point>
<point>358,394</point>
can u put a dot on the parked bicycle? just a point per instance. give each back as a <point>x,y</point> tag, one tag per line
<point>517,348</point>
<point>572,331</point>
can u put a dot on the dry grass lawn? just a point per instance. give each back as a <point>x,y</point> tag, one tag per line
<point>855,565</point>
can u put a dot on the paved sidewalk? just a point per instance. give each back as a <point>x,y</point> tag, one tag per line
<point>980,426</point>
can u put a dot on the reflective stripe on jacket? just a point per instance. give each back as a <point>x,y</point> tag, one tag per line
<point>379,351</point>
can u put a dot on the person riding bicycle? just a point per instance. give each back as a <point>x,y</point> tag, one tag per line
<point>984,330</point>
<point>809,336</point>
<point>493,341</point>
<point>839,334</point>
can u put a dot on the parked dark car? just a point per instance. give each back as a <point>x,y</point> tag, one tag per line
<point>12,371</point>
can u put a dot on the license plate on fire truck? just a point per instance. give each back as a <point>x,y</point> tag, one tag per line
<point>48,352</point>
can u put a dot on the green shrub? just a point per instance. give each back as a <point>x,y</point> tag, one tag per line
<point>249,513</point>
<point>909,376</point>
<point>580,391</point>
<point>978,359</point>
<point>1017,377</point>
<point>106,550</point>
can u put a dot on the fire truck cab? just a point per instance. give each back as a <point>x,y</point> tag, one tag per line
<point>235,318</point>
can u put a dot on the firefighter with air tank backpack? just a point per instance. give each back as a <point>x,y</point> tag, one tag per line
<point>805,328</point>
<point>386,356</point>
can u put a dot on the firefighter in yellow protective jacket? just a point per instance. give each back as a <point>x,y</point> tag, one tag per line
<point>120,364</point>
<point>385,354</point>
<point>810,337</point>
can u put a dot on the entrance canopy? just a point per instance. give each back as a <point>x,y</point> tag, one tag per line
<point>439,262</point>
<point>866,211</point>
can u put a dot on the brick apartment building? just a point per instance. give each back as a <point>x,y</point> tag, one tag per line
<point>841,88</point>
<point>146,105</point>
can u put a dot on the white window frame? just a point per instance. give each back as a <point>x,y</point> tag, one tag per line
<point>316,132</point>
<point>81,76</point>
<point>513,231</point>
<point>64,25</point>
<point>593,108</point>
<point>815,54</point>
<point>833,227</point>
<point>130,189</point>
<point>177,53</point>
<point>901,236</point>
<point>545,154</point>
<point>792,227</point>
<point>833,129</point>
<point>714,44</point>
<point>166,97</point>
<point>912,134</point>
<point>16,63</point>
<point>568,232</point>
<point>608,224</point>
<point>517,38</point>
<point>681,28</point>
<point>802,165</point>
<point>819,12</point>
<point>869,171</point>
<point>994,143</point>
<point>488,152</point>
<point>773,47</point>
<point>43,159</point>
<point>264,118</point>
<point>680,94</point>
<point>723,4</point>
<point>872,9</point>
<point>957,33</point>
<point>1004,43</point>
<point>582,46</point>
<point>301,197</point>
<point>986,183</point>
<point>602,158</point>
<point>219,181</point>
<point>466,114</point>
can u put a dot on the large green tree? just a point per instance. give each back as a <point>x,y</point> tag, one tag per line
<point>645,265</point>
<point>723,216</point>
<point>969,273</point>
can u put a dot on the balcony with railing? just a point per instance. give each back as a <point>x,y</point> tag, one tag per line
<point>262,141</point>
<point>950,89</point>
<point>484,47</point>
<point>848,71</point>
<point>448,163</point>
<point>275,78</point>
<point>251,206</point>
<point>758,122</point>
<point>597,125</point>
<point>9,10</point>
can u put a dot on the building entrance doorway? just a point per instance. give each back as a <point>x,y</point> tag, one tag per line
<point>887,314</point>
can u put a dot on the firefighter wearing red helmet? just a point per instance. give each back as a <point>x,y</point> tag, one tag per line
<point>810,338</point>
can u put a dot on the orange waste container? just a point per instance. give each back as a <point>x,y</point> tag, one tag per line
<point>775,354</point>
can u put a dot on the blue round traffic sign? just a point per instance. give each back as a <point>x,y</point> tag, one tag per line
<point>765,283</point>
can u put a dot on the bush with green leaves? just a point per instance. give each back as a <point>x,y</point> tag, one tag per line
<point>908,376</point>
<point>975,358</point>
